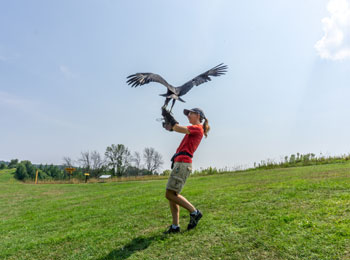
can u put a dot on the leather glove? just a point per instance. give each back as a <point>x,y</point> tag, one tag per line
<point>167,126</point>
<point>169,120</point>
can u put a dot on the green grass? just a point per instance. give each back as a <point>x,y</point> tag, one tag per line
<point>293,213</point>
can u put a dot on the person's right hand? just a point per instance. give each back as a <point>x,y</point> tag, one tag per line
<point>168,117</point>
<point>168,126</point>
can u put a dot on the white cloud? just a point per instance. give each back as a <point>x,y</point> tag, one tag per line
<point>67,72</point>
<point>335,44</point>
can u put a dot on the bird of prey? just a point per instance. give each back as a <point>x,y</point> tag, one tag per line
<point>175,93</point>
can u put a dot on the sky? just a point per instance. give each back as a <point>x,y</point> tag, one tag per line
<point>63,69</point>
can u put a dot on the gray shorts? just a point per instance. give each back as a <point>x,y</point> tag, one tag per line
<point>178,176</point>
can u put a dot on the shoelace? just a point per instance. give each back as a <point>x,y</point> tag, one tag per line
<point>193,219</point>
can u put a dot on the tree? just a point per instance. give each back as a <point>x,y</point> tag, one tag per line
<point>136,159</point>
<point>292,159</point>
<point>153,159</point>
<point>13,164</point>
<point>118,158</point>
<point>133,171</point>
<point>97,163</point>
<point>85,161</point>
<point>2,166</point>
<point>21,172</point>
<point>157,161</point>
<point>29,168</point>
<point>68,162</point>
<point>166,172</point>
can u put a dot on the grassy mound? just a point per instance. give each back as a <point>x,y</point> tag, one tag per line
<point>292,213</point>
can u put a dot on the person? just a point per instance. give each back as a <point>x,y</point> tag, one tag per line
<point>182,164</point>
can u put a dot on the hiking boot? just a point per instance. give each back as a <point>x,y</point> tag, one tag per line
<point>194,219</point>
<point>172,230</point>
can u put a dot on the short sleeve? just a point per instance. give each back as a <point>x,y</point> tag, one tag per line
<point>194,130</point>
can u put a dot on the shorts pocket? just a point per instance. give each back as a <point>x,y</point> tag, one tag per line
<point>175,183</point>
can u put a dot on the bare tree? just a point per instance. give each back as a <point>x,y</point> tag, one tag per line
<point>97,163</point>
<point>153,159</point>
<point>96,160</point>
<point>85,160</point>
<point>157,161</point>
<point>136,158</point>
<point>148,156</point>
<point>68,162</point>
<point>118,158</point>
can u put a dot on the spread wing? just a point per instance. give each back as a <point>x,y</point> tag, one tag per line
<point>204,77</point>
<point>140,79</point>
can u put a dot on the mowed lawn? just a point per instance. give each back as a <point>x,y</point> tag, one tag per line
<point>295,213</point>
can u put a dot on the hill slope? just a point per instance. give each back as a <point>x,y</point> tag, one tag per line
<point>294,213</point>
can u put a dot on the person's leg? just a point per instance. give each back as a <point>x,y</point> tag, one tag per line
<point>175,212</point>
<point>179,200</point>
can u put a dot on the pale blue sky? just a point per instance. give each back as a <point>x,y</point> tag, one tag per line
<point>63,67</point>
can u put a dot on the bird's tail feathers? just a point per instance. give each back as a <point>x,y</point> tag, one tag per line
<point>172,96</point>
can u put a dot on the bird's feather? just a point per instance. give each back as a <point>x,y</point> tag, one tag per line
<point>140,79</point>
<point>202,78</point>
<point>173,93</point>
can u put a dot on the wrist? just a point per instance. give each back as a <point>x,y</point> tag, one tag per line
<point>173,122</point>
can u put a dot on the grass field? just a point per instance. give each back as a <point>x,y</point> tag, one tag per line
<point>293,213</point>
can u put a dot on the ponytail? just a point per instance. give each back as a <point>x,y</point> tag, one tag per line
<point>206,127</point>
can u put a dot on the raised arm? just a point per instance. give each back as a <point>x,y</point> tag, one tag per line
<point>181,129</point>
<point>171,124</point>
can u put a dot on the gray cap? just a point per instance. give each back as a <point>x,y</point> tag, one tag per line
<point>195,110</point>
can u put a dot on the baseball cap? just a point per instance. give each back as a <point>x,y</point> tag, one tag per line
<point>195,110</point>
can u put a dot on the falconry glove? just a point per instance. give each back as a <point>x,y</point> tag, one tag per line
<point>167,126</point>
<point>169,120</point>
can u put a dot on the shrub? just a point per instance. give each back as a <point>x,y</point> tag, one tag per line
<point>2,166</point>
<point>21,172</point>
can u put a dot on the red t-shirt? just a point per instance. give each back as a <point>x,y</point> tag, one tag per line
<point>190,143</point>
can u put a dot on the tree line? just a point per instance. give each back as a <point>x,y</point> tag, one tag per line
<point>8,165</point>
<point>300,159</point>
<point>117,160</point>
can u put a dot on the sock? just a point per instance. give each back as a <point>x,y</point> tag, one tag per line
<point>174,226</point>
<point>194,212</point>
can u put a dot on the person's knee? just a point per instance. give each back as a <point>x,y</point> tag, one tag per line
<point>169,194</point>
